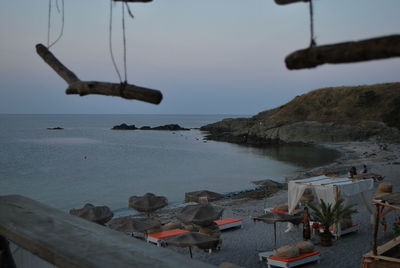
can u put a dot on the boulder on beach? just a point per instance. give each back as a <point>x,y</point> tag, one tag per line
<point>197,196</point>
<point>268,183</point>
<point>124,126</point>
<point>98,214</point>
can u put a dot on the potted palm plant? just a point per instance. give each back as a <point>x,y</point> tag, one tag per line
<point>329,214</point>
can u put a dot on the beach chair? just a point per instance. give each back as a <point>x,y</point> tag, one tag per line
<point>296,210</point>
<point>289,262</point>
<point>228,223</point>
<point>158,238</point>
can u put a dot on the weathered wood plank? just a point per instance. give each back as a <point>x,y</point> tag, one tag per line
<point>69,241</point>
<point>127,91</point>
<point>57,66</point>
<point>364,50</point>
<point>76,86</point>
<point>134,1</point>
<point>285,2</point>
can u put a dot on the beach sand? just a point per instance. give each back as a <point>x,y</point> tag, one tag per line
<point>241,246</point>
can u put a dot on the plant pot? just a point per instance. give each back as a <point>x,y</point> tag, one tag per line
<point>326,240</point>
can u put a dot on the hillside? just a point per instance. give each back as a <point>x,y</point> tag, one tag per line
<point>348,113</point>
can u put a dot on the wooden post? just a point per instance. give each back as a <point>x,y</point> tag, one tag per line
<point>76,86</point>
<point>364,50</point>
<point>375,231</point>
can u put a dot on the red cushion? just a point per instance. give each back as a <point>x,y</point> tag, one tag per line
<point>168,233</point>
<point>301,256</point>
<point>227,221</point>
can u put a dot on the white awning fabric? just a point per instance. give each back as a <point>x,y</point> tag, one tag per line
<point>329,189</point>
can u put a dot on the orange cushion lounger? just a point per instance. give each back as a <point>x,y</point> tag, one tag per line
<point>156,238</point>
<point>280,211</point>
<point>229,223</point>
<point>354,228</point>
<point>292,262</point>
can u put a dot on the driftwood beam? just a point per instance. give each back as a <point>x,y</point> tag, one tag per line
<point>134,1</point>
<point>57,66</point>
<point>83,88</point>
<point>364,50</point>
<point>126,91</point>
<point>285,2</point>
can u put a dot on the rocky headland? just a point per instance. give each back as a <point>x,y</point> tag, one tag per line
<point>336,114</point>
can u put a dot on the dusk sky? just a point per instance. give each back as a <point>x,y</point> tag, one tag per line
<point>207,57</point>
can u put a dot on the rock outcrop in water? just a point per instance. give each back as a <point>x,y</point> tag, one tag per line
<point>170,127</point>
<point>337,114</point>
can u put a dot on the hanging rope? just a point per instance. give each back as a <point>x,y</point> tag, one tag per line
<point>48,24</point>
<point>110,44</point>
<point>62,23</point>
<point>312,41</point>
<point>124,41</point>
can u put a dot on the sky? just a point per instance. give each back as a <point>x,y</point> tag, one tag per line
<point>206,57</point>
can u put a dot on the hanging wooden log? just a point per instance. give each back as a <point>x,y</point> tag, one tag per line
<point>364,50</point>
<point>134,1</point>
<point>285,2</point>
<point>76,86</point>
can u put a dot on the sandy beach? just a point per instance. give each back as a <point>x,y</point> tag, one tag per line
<point>241,246</point>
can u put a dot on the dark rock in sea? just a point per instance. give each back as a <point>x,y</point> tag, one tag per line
<point>170,127</point>
<point>124,127</point>
<point>55,128</point>
<point>145,128</point>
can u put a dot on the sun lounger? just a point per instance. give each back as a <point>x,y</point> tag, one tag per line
<point>266,210</point>
<point>229,223</point>
<point>289,262</point>
<point>157,238</point>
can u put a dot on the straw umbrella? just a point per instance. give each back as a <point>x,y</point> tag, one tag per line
<point>98,214</point>
<point>191,239</point>
<point>132,225</point>
<point>202,214</point>
<point>147,203</point>
<point>274,217</point>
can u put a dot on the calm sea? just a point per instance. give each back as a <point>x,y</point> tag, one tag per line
<point>89,162</point>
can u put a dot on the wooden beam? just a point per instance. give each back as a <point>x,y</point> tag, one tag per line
<point>126,91</point>
<point>364,50</point>
<point>68,241</point>
<point>134,1</point>
<point>76,86</point>
<point>375,231</point>
<point>285,2</point>
<point>57,66</point>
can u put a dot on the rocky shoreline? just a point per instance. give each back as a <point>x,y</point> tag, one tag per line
<point>169,127</point>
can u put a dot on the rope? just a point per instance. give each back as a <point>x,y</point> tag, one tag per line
<point>124,41</point>
<point>62,24</point>
<point>110,44</point>
<point>312,41</point>
<point>48,24</point>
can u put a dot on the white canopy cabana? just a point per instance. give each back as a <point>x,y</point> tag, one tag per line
<point>330,189</point>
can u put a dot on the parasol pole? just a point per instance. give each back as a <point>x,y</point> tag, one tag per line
<point>274,235</point>
<point>190,251</point>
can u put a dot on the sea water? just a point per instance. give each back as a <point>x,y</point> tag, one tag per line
<point>87,162</point>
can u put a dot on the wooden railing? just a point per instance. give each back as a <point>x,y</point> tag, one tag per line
<point>69,241</point>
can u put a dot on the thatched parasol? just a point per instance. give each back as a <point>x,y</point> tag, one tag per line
<point>98,214</point>
<point>196,196</point>
<point>202,214</point>
<point>274,217</point>
<point>191,239</point>
<point>147,203</point>
<point>131,225</point>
